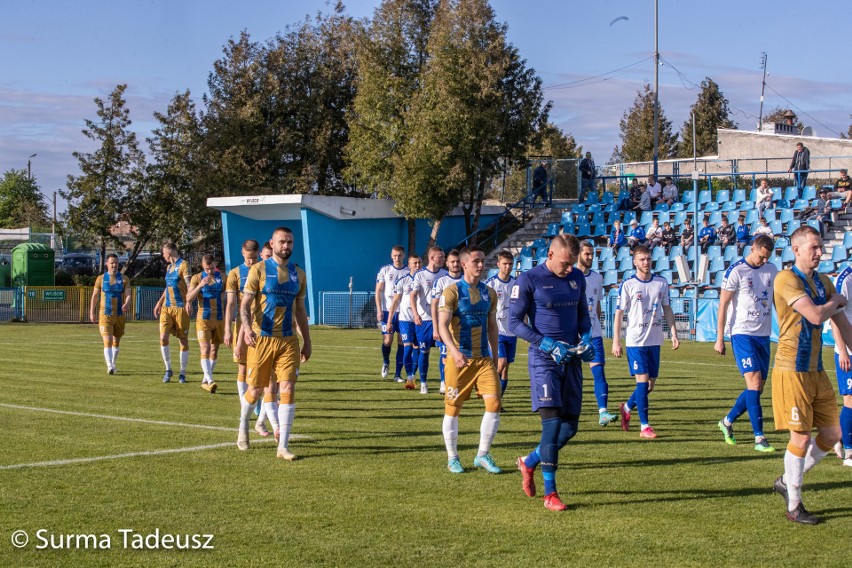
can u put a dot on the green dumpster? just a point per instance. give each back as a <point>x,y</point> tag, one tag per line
<point>32,265</point>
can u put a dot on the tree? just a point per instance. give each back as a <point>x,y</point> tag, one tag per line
<point>97,198</point>
<point>637,131</point>
<point>21,202</point>
<point>478,104</point>
<point>711,112</point>
<point>776,116</point>
<point>391,54</point>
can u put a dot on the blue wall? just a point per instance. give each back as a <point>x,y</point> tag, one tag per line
<point>336,250</point>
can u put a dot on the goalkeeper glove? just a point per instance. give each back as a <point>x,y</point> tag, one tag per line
<point>585,349</point>
<point>558,350</point>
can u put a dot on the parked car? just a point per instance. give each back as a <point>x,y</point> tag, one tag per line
<point>79,263</point>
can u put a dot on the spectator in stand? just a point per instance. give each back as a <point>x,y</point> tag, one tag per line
<point>637,235</point>
<point>539,183</point>
<point>635,195</point>
<point>726,233</point>
<point>655,191</point>
<point>687,235</point>
<point>644,200</point>
<point>669,192</point>
<point>743,237</point>
<point>587,176</point>
<point>764,229</point>
<point>617,239</point>
<point>819,210</point>
<point>800,165</point>
<point>669,236</point>
<point>764,196</point>
<point>843,188</point>
<point>706,236</point>
<point>654,235</point>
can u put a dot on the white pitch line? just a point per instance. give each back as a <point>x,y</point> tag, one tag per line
<point>121,456</point>
<point>142,420</point>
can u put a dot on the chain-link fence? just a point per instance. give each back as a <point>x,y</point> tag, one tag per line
<point>348,309</point>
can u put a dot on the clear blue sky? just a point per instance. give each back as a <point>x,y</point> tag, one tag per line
<point>59,55</point>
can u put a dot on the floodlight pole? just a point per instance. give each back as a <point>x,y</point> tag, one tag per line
<point>762,89</point>
<point>656,87</point>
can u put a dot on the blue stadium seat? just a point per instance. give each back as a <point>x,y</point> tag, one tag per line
<point>687,196</point>
<point>664,216</point>
<point>723,195</point>
<point>710,294</point>
<point>714,251</point>
<point>584,230</point>
<point>781,242</point>
<point>678,219</point>
<point>800,204</point>
<point>667,274</point>
<point>657,253</point>
<point>526,251</point>
<point>662,264</point>
<point>592,197</point>
<point>782,204</point>
<point>690,254</point>
<point>777,227</point>
<point>674,293</point>
<point>826,267</point>
<point>689,293</point>
<point>711,206</point>
<point>786,215</point>
<point>613,216</point>
<point>747,206</point>
<point>704,196</point>
<point>661,207</point>
<point>608,198</point>
<point>578,208</point>
<point>739,195</point>
<point>678,206</point>
<point>809,192</point>
<point>676,251</point>
<point>567,217</point>
<point>839,254</point>
<point>733,216</point>
<point>836,203</point>
<point>787,255</point>
<point>610,278</point>
<point>715,218</point>
<point>847,240</point>
<point>751,216</point>
<point>526,263</point>
<point>717,264</point>
<point>608,264</point>
<point>605,253</point>
<point>777,262</point>
<point>493,272</point>
<point>718,278</point>
<point>777,193</point>
<point>792,225</point>
<point>553,229</point>
<point>769,215</point>
<point>628,274</point>
<point>598,218</point>
<point>647,217</point>
<point>628,216</point>
<point>730,206</point>
<point>625,264</point>
<point>791,193</point>
<point>539,244</point>
<point>731,253</point>
<point>623,252</point>
<point>600,230</point>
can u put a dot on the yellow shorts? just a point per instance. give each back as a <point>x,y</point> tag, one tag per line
<point>174,321</point>
<point>112,325</point>
<point>210,331</point>
<point>272,354</point>
<point>803,401</point>
<point>480,372</point>
<point>236,328</point>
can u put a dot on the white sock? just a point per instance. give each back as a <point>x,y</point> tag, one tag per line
<point>270,410</point>
<point>245,412</point>
<point>451,435</point>
<point>204,370</point>
<point>487,431</point>
<point>286,412</point>
<point>794,470</point>
<point>166,350</point>
<point>114,355</point>
<point>212,366</point>
<point>108,356</point>
<point>814,456</point>
<point>727,422</point>
<point>242,387</point>
<point>184,359</point>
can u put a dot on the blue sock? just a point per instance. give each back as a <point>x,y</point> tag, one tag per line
<point>642,402</point>
<point>400,350</point>
<point>601,387</point>
<point>503,384</point>
<point>257,406</point>
<point>407,360</point>
<point>846,427</point>
<point>441,359</point>
<point>566,431</point>
<point>740,406</point>
<point>549,452</point>
<point>532,460</point>
<point>755,412</point>
<point>415,360</point>
<point>631,402</point>
<point>423,364</point>
<point>386,349</point>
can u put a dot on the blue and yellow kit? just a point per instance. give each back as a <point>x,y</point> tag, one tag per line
<point>209,323</point>
<point>173,316</point>
<point>111,316</point>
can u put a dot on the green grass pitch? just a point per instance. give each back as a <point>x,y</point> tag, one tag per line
<point>371,486</point>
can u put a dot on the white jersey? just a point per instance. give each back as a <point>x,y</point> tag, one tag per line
<point>594,293</point>
<point>442,284</point>
<point>843,284</point>
<point>503,289</point>
<point>423,282</point>
<point>404,286</point>
<point>750,310</point>
<point>389,274</point>
<point>643,301</point>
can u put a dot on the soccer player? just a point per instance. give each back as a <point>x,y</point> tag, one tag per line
<point>112,291</point>
<point>552,297</point>
<point>407,334</point>
<point>273,298</point>
<point>747,290</point>
<point>385,280</point>
<point>843,284</point>
<point>802,396</point>
<point>467,323</point>
<point>233,335</point>
<point>507,341</point>
<point>594,293</point>
<point>208,287</point>
<point>645,299</point>
<point>453,275</point>
<point>174,311</point>
<point>421,302</point>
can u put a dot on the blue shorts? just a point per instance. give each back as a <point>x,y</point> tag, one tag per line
<point>644,361</point>
<point>424,336</point>
<point>407,332</point>
<point>751,354</point>
<point>600,356</point>
<point>555,386</point>
<point>507,345</point>
<point>844,379</point>
<point>384,322</point>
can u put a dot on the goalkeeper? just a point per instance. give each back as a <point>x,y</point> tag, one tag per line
<point>552,299</point>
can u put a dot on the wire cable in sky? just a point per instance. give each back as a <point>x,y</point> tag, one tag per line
<point>574,84</point>
<point>799,109</point>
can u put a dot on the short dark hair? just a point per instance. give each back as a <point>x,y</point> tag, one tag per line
<point>251,245</point>
<point>111,255</point>
<point>802,231</point>
<point>567,240</point>
<point>764,242</point>
<point>641,249</point>
<point>586,244</point>
<point>266,246</point>
<point>505,255</point>
<point>468,250</point>
<point>171,247</point>
<point>208,259</point>
<point>282,230</point>
<point>398,248</point>
<point>456,252</point>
